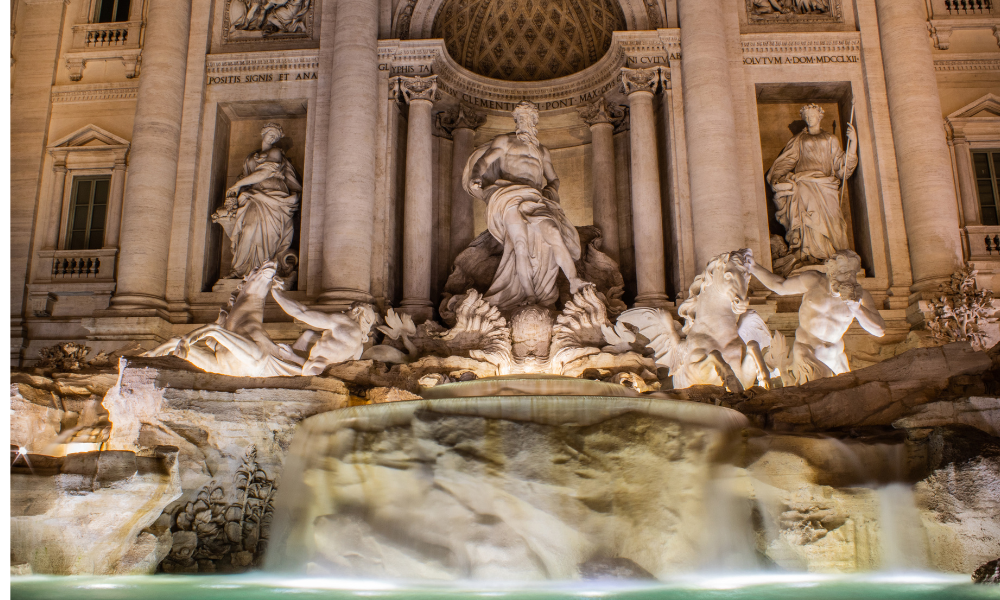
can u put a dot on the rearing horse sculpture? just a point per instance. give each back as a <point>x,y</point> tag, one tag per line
<point>722,340</point>
<point>237,344</point>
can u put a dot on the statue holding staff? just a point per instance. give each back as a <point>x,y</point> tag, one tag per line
<point>807,179</point>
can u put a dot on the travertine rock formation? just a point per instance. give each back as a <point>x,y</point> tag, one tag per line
<point>523,488</point>
<point>88,513</point>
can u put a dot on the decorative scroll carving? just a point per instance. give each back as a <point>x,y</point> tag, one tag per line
<point>461,117</point>
<point>416,88</point>
<point>636,80</point>
<point>602,112</point>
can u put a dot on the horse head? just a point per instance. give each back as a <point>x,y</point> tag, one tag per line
<point>727,277</point>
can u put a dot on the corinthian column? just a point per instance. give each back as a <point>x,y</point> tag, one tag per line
<point>602,147</point>
<point>930,209</point>
<point>647,210</point>
<point>350,179</point>
<point>716,200</point>
<point>462,123</point>
<point>149,192</point>
<point>418,201</point>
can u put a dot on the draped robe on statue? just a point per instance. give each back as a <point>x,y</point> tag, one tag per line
<point>263,228</point>
<point>806,178</point>
<point>533,207</point>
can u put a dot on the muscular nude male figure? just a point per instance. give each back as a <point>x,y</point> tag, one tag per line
<point>830,303</point>
<point>513,174</point>
<point>344,334</point>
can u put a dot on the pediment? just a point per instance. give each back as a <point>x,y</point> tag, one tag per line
<point>90,136</point>
<point>987,107</point>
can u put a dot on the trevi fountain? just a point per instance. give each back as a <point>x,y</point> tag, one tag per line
<point>358,304</point>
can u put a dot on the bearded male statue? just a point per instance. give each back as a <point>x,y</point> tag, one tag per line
<point>806,179</point>
<point>831,301</point>
<point>513,174</point>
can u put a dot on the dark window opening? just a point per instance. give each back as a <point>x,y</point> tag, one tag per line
<point>112,11</point>
<point>87,213</point>
<point>987,168</point>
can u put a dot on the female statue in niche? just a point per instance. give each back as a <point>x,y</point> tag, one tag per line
<point>257,214</point>
<point>806,179</point>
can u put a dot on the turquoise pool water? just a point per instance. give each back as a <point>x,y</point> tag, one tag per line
<point>705,587</point>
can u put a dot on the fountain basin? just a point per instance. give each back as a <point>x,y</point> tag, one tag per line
<point>528,385</point>
<point>500,487</point>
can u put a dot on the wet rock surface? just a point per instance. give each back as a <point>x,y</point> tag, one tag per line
<point>430,494</point>
<point>988,573</point>
<point>88,512</point>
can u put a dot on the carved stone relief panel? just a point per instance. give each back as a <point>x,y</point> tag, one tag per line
<point>257,20</point>
<point>793,12</point>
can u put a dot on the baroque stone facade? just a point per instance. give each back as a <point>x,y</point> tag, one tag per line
<point>661,118</point>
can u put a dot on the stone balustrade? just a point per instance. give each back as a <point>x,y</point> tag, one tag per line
<point>104,41</point>
<point>90,265</point>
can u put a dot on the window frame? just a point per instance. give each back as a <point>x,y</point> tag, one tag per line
<point>74,190</point>
<point>992,160</point>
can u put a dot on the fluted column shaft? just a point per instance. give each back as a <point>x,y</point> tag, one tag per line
<point>418,199</point>
<point>930,209</point>
<point>350,183</point>
<point>149,193</point>
<point>602,147</point>
<point>647,210</point>
<point>462,122</point>
<point>709,120</point>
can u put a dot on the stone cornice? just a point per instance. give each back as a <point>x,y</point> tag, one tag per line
<point>95,92</point>
<point>986,61</point>
<point>424,57</point>
<point>801,43</point>
<point>238,62</point>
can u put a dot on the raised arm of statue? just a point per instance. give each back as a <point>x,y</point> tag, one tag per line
<point>866,312</point>
<point>796,284</point>
<point>842,158</point>
<point>296,310</point>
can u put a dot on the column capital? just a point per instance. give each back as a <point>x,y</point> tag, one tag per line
<point>416,87</point>
<point>641,80</point>
<point>461,117</point>
<point>601,112</point>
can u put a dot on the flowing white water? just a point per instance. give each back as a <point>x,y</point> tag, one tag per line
<point>902,537</point>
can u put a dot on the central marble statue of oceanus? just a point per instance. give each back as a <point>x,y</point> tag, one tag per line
<point>533,294</point>
<point>513,174</point>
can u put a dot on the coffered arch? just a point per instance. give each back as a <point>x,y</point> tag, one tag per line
<point>414,19</point>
